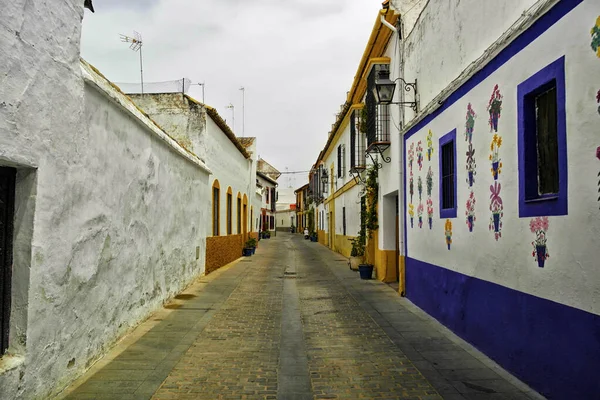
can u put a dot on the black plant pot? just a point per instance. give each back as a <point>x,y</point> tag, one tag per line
<point>247,251</point>
<point>366,271</point>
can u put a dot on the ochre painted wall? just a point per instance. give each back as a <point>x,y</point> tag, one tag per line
<point>343,245</point>
<point>221,250</point>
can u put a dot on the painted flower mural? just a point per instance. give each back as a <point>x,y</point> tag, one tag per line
<point>411,187</point>
<point>448,232</point>
<point>470,212</point>
<point>429,145</point>
<point>429,182</point>
<point>420,214</point>
<point>495,156</point>
<point>471,165</point>
<point>539,226</point>
<point>411,156</point>
<point>419,155</point>
<point>598,100</point>
<point>598,157</point>
<point>411,212</point>
<point>470,124</point>
<point>595,32</point>
<point>497,209</point>
<point>430,213</point>
<point>420,187</point>
<point>495,108</point>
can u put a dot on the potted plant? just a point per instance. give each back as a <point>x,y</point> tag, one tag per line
<point>369,222</point>
<point>251,244</point>
<point>357,253</point>
<point>314,237</point>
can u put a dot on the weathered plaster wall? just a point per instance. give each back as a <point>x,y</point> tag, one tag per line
<point>485,284</point>
<point>175,113</point>
<point>221,250</point>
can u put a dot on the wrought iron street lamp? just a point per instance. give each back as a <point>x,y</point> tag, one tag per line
<point>384,90</point>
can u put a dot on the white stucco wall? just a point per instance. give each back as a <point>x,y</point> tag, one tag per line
<point>435,59</point>
<point>231,168</point>
<point>571,275</point>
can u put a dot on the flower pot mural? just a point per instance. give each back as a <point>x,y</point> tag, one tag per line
<point>420,215</point>
<point>430,212</point>
<point>495,156</point>
<point>598,157</point>
<point>411,156</point>
<point>595,32</point>
<point>411,212</point>
<point>429,145</point>
<point>470,212</point>
<point>471,165</point>
<point>429,182</point>
<point>470,124</point>
<point>497,209</point>
<point>539,227</point>
<point>420,187</point>
<point>494,108</point>
<point>448,233</point>
<point>419,155</point>
<point>411,187</point>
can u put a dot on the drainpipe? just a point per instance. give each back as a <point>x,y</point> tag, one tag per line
<point>401,192</point>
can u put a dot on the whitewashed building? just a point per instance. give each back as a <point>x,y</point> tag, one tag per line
<point>84,174</point>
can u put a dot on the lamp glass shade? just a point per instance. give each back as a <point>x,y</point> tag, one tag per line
<point>384,91</point>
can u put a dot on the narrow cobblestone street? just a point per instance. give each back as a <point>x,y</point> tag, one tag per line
<point>293,322</point>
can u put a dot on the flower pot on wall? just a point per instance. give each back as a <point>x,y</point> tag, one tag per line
<point>470,222</point>
<point>430,223</point>
<point>366,271</point>
<point>470,178</point>
<point>541,255</point>
<point>494,119</point>
<point>495,168</point>
<point>496,222</point>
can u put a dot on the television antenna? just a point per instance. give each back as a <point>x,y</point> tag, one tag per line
<point>243,110</point>
<point>136,45</point>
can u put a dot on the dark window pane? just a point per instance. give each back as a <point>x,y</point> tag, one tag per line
<point>215,212</point>
<point>547,142</point>
<point>448,200</point>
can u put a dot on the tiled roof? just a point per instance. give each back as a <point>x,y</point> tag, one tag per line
<point>246,141</point>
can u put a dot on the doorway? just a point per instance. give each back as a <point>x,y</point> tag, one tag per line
<point>7,203</point>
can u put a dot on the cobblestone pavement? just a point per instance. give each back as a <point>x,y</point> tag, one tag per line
<point>293,322</point>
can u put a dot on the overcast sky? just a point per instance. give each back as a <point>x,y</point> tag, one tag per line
<point>296,60</point>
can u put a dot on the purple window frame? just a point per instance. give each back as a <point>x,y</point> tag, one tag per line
<point>448,212</point>
<point>531,204</point>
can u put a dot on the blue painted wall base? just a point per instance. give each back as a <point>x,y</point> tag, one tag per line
<point>552,347</point>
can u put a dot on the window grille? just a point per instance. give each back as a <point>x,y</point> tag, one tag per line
<point>7,198</point>
<point>239,215</point>
<point>378,115</point>
<point>357,142</point>
<point>229,213</point>
<point>344,220</point>
<point>215,211</point>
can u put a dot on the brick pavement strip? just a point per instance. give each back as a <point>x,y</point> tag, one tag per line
<point>349,355</point>
<point>237,355</point>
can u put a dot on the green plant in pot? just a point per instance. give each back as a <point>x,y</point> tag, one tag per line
<point>357,253</point>
<point>369,221</point>
<point>251,244</point>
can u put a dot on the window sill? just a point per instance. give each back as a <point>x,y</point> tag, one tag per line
<point>448,212</point>
<point>8,362</point>
<point>543,198</point>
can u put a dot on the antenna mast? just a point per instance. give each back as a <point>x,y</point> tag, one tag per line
<point>230,106</point>
<point>136,45</point>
